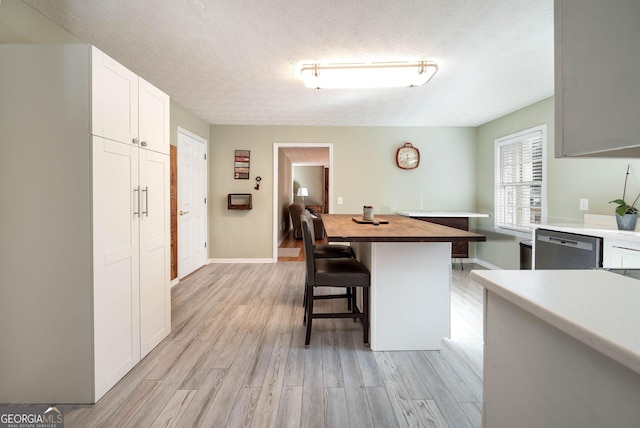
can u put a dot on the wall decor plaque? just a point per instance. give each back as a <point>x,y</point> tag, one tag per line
<point>241,165</point>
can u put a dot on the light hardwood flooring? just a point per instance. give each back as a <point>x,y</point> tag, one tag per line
<point>236,358</point>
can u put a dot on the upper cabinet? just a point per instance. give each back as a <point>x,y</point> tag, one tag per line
<point>597,88</point>
<point>127,108</point>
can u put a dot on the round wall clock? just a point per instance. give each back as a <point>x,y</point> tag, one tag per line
<point>407,157</point>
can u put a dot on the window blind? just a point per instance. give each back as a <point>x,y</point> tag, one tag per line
<point>520,181</point>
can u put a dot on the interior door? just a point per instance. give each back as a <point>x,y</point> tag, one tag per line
<point>155,293</point>
<point>192,202</point>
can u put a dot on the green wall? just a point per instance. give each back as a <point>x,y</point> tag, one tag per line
<point>568,180</point>
<point>364,173</point>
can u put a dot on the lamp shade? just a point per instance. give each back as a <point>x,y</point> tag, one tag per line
<point>302,191</point>
<point>368,75</point>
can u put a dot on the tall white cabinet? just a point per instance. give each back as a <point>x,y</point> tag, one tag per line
<point>87,248</point>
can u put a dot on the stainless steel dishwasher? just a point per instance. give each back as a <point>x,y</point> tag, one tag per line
<point>561,250</point>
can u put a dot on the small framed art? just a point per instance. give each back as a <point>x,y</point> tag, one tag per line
<point>241,165</point>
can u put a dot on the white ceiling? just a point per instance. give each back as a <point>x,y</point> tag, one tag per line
<point>233,61</point>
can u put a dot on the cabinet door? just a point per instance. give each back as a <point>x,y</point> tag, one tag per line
<point>621,254</point>
<point>114,99</point>
<point>115,261</point>
<point>153,124</point>
<point>597,56</point>
<point>155,247</point>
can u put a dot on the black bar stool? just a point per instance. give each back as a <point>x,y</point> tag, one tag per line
<point>334,272</point>
<point>325,251</point>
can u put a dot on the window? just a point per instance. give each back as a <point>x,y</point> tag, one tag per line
<point>520,179</point>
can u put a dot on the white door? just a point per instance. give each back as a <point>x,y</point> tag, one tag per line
<point>192,202</point>
<point>155,244</point>
<point>116,294</point>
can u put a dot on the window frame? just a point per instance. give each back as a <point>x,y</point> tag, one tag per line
<point>517,138</point>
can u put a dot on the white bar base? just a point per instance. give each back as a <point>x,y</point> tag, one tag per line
<point>410,293</point>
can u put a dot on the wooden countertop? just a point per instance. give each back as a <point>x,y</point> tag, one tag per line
<point>342,228</point>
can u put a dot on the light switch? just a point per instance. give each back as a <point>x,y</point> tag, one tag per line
<point>584,204</point>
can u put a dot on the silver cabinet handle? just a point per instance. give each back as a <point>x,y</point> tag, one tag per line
<point>135,140</point>
<point>143,144</point>
<point>137,210</point>
<point>146,201</point>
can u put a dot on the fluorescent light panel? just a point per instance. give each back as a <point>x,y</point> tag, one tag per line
<point>371,75</point>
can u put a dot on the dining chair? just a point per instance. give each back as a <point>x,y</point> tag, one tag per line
<point>334,272</point>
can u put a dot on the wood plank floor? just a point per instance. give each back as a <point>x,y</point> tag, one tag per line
<point>236,358</point>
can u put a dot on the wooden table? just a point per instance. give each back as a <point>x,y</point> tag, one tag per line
<point>410,264</point>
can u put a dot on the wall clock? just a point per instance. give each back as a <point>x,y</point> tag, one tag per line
<point>407,157</point>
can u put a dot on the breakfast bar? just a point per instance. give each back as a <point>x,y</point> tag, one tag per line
<point>410,264</point>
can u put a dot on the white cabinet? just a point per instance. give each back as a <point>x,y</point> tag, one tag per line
<point>116,261</point>
<point>127,108</point>
<point>153,117</point>
<point>85,248</point>
<point>597,57</point>
<point>131,242</point>
<point>621,254</point>
<point>132,304</point>
<point>155,244</point>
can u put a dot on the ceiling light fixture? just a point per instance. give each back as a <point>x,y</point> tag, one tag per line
<point>369,75</point>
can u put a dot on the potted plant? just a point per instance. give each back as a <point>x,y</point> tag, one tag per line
<point>626,215</point>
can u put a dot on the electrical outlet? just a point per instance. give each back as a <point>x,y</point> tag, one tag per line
<point>584,204</point>
<point>339,200</point>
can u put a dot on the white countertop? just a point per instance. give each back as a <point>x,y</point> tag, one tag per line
<point>440,214</point>
<point>593,230</point>
<point>599,308</point>
<point>595,225</point>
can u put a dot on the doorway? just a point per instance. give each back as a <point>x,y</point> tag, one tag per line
<point>285,156</point>
<point>192,202</point>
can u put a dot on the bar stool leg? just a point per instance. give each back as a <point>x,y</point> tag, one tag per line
<point>309,311</point>
<point>365,313</point>
<point>304,303</point>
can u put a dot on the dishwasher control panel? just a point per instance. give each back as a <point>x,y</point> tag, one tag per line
<point>562,250</point>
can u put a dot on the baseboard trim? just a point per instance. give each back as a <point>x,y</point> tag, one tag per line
<point>484,264</point>
<point>174,282</point>
<point>243,261</point>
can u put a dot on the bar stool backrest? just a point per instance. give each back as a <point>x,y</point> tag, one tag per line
<point>308,249</point>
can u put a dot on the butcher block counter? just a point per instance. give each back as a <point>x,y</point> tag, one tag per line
<point>410,264</point>
<point>342,227</point>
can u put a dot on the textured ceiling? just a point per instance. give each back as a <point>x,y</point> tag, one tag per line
<point>307,156</point>
<point>233,61</point>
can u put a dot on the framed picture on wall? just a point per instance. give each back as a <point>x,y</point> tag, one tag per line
<point>241,165</point>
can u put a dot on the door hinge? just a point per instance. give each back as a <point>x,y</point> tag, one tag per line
<point>205,156</point>
<point>205,245</point>
<point>205,200</point>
